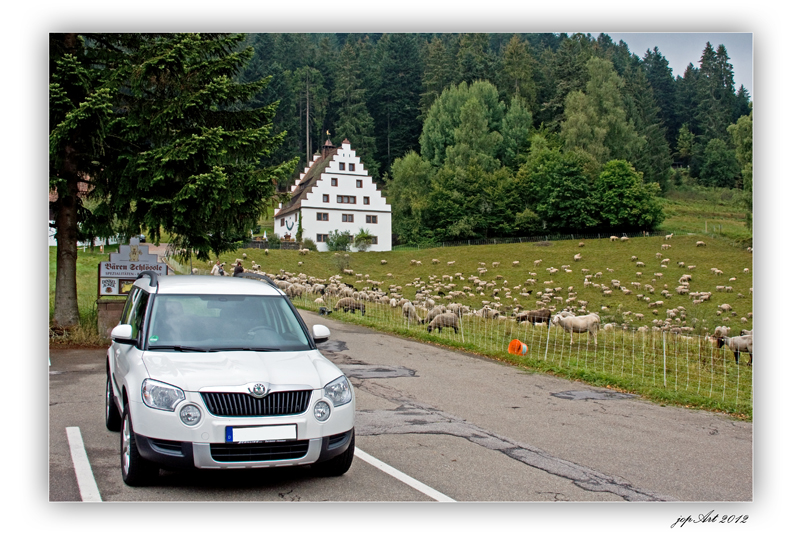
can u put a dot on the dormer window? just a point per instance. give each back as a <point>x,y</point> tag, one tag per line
<point>341,166</point>
<point>352,167</point>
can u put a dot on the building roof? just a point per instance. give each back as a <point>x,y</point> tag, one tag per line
<point>314,173</point>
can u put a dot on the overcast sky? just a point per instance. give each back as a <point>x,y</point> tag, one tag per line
<point>680,49</point>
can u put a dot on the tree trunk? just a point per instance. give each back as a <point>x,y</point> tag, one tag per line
<point>66,313</point>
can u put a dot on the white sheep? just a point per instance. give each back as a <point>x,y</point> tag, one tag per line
<point>742,343</point>
<point>579,324</point>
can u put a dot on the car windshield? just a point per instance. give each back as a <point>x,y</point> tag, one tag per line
<point>224,322</point>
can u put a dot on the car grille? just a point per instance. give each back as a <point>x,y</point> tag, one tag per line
<point>240,404</point>
<point>269,451</point>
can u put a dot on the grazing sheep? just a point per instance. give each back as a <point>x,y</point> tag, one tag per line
<point>410,312</point>
<point>350,304</point>
<point>700,243</point>
<point>623,239</point>
<point>451,263</point>
<point>577,257</point>
<point>581,245</point>
<point>743,343</point>
<point>496,264</point>
<point>515,264</point>
<point>614,238</point>
<point>721,331</point>
<point>384,261</point>
<point>535,316</point>
<point>667,237</point>
<point>435,261</point>
<point>579,324</point>
<point>444,320</point>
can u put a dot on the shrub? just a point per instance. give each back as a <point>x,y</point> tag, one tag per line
<point>339,242</point>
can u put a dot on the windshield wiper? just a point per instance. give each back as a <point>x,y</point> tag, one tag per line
<point>246,349</point>
<point>178,348</point>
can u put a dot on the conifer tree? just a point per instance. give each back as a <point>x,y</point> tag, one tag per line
<point>353,122</point>
<point>187,151</point>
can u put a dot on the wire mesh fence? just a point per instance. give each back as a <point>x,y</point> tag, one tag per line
<point>640,357</point>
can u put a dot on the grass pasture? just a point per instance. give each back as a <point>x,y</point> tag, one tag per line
<point>681,370</point>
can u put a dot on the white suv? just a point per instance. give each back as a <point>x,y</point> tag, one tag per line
<point>222,372</point>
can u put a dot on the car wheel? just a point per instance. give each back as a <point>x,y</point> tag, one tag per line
<point>339,464</point>
<point>136,471</point>
<point>113,419</point>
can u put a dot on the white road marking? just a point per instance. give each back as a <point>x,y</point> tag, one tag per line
<point>408,480</point>
<point>83,470</point>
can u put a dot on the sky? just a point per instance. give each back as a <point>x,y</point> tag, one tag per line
<point>680,49</point>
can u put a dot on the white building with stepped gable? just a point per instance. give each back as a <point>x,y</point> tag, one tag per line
<point>335,192</point>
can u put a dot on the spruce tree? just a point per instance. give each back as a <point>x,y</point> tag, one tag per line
<point>187,150</point>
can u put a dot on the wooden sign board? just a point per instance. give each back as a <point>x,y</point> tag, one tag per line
<point>116,276</point>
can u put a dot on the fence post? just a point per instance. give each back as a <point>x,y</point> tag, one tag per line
<point>547,345</point>
<point>664,346</point>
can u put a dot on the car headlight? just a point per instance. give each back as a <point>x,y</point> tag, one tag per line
<point>338,391</point>
<point>160,395</point>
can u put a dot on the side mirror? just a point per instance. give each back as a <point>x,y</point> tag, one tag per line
<point>123,334</point>
<point>320,333</point>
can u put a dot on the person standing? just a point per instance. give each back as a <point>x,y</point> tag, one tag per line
<point>215,268</point>
<point>238,269</point>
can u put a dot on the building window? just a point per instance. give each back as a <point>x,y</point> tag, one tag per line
<point>345,199</point>
<point>322,216</point>
<point>351,238</point>
<point>347,218</point>
<point>322,237</point>
<point>366,200</point>
<point>341,166</point>
<point>283,221</point>
<point>352,167</point>
<point>372,219</point>
<point>359,184</point>
<point>374,240</point>
<point>325,198</point>
<point>334,182</point>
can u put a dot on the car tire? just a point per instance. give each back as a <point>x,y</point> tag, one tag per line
<point>136,470</point>
<point>113,418</point>
<point>339,464</point>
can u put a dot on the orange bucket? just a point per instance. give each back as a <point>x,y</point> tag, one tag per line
<point>517,348</point>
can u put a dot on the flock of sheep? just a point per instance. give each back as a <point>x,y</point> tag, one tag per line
<point>436,304</point>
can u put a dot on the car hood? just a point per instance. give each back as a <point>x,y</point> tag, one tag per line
<point>195,371</point>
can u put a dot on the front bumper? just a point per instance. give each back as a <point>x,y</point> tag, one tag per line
<point>162,438</point>
<point>182,455</point>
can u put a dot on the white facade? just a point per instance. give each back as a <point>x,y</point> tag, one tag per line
<point>340,196</point>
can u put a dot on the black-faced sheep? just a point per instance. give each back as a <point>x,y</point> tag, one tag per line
<point>743,343</point>
<point>445,320</point>
<point>350,304</point>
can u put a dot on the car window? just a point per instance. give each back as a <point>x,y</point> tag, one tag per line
<point>126,311</point>
<point>225,322</point>
<point>138,310</point>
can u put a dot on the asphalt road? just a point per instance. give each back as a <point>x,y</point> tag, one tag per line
<point>465,427</point>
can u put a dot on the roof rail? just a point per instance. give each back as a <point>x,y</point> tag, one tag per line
<point>253,275</point>
<point>152,275</point>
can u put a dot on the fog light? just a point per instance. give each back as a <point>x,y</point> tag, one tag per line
<point>322,411</point>
<point>190,415</point>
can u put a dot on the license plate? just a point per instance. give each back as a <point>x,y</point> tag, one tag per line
<point>260,433</point>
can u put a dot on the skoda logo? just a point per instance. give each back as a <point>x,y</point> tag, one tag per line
<point>259,390</point>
